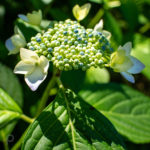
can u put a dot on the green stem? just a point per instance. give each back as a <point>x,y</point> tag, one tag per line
<point>45,95</point>
<point>26,118</point>
<point>19,142</point>
<point>60,85</point>
<point>5,143</point>
<point>96,19</point>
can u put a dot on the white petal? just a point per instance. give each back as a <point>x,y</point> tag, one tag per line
<point>127,47</point>
<point>14,51</point>
<point>99,26</point>
<point>128,77</point>
<point>9,44</point>
<point>35,17</point>
<point>18,41</point>
<point>35,78</point>
<point>23,17</point>
<point>137,66</point>
<point>18,31</point>
<point>24,67</point>
<point>81,12</point>
<point>26,54</point>
<point>107,34</point>
<point>44,63</point>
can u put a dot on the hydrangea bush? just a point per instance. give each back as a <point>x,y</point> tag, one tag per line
<point>67,46</point>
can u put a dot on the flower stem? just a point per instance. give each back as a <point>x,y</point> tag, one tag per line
<point>4,139</point>
<point>45,95</point>
<point>19,142</point>
<point>96,19</point>
<point>26,118</point>
<point>59,82</point>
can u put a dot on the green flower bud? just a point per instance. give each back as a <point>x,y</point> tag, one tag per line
<point>70,46</point>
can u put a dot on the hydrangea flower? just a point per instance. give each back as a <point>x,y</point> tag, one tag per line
<point>33,67</point>
<point>123,62</point>
<point>34,18</point>
<point>70,46</point>
<point>99,27</point>
<point>81,12</point>
<point>15,42</point>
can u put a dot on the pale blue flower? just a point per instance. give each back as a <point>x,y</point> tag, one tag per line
<point>15,42</point>
<point>34,68</point>
<point>34,18</point>
<point>123,62</point>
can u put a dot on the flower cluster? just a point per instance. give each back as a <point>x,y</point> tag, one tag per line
<point>70,46</point>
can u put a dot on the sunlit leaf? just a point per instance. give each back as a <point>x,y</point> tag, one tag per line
<point>9,110</point>
<point>127,109</point>
<point>70,123</point>
<point>97,75</point>
<point>10,83</point>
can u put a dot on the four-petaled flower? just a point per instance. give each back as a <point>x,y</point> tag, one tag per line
<point>34,68</point>
<point>81,12</point>
<point>34,18</point>
<point>123,62</point>
<point>99,27</point>
<point>15,42</point>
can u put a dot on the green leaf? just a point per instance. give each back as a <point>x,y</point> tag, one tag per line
<point>113,27</point>
<point>59,14</point>
<point>131,15</point>
<point>69,123</point>
<point>142,52</point>
<point>10,83</point>
<point>97,75</point>
<point>127,109</point>
<point>73,79</point>
<point>9,110</point>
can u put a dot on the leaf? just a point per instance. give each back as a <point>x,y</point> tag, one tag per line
<point>127,109</point>
<point>97,75</point>
<point>142,52</point>
<point>113,27</point>
<point>59,14</point>
<point>131,15</point>
<point>72,124</point>
<point>9,110</point>
<point>10,83</point>
<point>73,79</point>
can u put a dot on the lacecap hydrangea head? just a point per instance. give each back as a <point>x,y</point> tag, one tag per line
<point>68,45</point>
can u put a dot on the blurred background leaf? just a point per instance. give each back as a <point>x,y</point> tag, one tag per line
<point>10,83</point>
<point>97,75</point>
<point>142,52</point>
